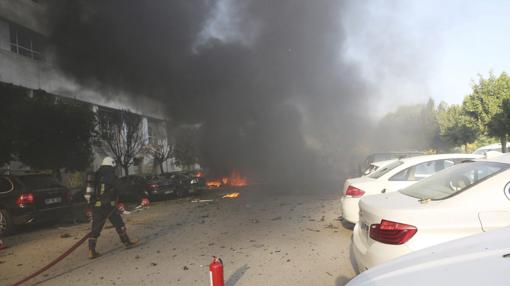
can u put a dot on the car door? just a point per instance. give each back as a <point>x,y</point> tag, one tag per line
<point>499,216</point>
<point>416,173</point>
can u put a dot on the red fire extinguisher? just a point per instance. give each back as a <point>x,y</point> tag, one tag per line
<point>216,272</point>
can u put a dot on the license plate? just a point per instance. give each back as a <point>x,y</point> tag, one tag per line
<point>53,201</point>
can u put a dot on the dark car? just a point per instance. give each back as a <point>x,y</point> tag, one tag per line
<point>159,186</point>
<point>186,182</point>
<point>133,188</point>
<point>30,198</point>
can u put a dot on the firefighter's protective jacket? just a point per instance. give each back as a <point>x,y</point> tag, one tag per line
<point>106,184</point>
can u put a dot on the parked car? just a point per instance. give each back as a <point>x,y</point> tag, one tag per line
<point>492,147</point>
<point>462,200</point>
<point>158,186</point>
<point>30,198</point>
<point>133,188</point>
<point>374,166</point>
<point>384,156</point>
<point>183,182</point>
<point>481,259</point>
<point>394,176</point>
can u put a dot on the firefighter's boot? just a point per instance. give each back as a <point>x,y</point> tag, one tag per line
<point>92,249</point>
<point>128,243</point>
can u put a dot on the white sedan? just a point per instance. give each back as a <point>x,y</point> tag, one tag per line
<point>482,259</point>
<point>394,176</point>
<point>457,202</point>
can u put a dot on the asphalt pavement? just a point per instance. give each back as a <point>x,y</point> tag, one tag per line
<point>268,235</point>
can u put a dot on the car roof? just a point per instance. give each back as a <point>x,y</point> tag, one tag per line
<point>425,158</point>
<point>503,158</point>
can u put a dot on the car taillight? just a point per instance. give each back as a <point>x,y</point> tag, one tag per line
<point>390,232</point>
<point>25,199</point>
<point>354,192</point>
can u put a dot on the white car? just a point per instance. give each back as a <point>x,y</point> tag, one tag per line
<point>457,202</point>
<point>392,177</point>
<point>482,259</point>
<point>493,147</point>
<point>374,166</point>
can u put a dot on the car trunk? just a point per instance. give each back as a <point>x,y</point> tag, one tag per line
<point>436,221</point>
<point>50,197</point>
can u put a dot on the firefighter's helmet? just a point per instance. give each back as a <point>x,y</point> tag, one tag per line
<point>108,161</point>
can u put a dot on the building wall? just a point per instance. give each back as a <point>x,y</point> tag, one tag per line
<point>44,74</point>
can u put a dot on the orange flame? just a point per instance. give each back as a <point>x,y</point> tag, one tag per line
<point>234,180</point>
<point>231,196</point>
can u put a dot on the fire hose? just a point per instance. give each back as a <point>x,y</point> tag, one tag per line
<point>63,255</point>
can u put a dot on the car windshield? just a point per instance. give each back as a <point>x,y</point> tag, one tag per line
<point>453,180</point>
<point>39,181</point>
<point>385,169</point>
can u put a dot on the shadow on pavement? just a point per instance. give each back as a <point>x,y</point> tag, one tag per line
<point>236,276</point>
<point>341,280</point>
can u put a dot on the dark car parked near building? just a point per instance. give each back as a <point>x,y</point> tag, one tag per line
<point>133,188</point>
<point>158,186</point>
<point>30,198</point>
<point>186,182</point>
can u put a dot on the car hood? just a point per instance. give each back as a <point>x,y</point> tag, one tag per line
<point>475,260</point>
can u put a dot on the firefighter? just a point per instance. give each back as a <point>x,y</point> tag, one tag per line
<point>103,201</point>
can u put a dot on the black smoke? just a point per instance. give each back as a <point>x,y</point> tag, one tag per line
<point>270,90</point>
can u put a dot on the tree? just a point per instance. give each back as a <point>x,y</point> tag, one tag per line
<point>485,106</point>
<point>54,133</point>
<point>160,152</point>
<point>456,128</point>
<point>185,151</point>
<point>409,127</point>
<point>121,131</point>
<point>13,100</point>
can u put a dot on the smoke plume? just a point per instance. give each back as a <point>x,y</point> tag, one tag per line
<point>264,79</point>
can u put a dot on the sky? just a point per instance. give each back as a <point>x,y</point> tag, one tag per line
<point>410,51</point>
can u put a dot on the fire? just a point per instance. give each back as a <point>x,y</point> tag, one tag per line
<point>234,180</point>
<point>231,195</point>
<point>213,184</point>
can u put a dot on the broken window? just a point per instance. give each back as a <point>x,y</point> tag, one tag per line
<point>25,42</point>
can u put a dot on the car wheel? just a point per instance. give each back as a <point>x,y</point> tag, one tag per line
<point>181,193</point>
<point>6,224</point>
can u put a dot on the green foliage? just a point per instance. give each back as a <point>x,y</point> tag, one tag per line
<point>13,99</point>
<point>43,131</point>
<point>55,134</point>
<point>456,127</point>
<point>485,105</point>
<point>411,127</point>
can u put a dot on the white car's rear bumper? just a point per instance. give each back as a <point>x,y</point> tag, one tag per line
<point>350,209</point>
<point>369,253</point>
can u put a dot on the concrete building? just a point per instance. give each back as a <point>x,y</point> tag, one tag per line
<point>26,60</point>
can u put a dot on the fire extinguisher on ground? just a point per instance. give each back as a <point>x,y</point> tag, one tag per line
<point>216,272</point>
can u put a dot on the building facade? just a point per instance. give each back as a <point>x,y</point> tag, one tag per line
<point>27,60</point>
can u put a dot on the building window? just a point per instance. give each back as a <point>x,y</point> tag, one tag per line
<point>25,42</point>
<point>150,135</point>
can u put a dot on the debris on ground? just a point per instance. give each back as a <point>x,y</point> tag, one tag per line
<point>185,268</point>
<point>153,264</point>
<point>314,230</point>
<point>331,226</point>
<point>277,218</point>
<point>254,220</point>
<point>65,235</point>
<point>202,201</point>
